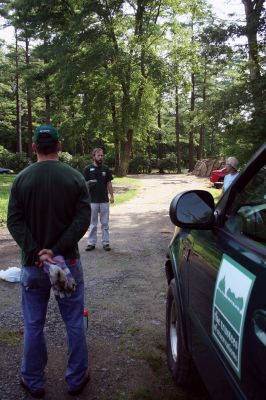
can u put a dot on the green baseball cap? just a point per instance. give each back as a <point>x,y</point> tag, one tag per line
<point>45,134</point>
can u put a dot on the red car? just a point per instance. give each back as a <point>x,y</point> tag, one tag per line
<point>217,177</point>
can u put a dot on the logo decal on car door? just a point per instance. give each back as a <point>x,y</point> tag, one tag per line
<point>232,291</point>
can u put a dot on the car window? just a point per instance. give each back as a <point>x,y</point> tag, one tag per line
<point>247,214</point>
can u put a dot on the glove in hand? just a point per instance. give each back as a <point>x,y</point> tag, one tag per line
<point>61,279</point>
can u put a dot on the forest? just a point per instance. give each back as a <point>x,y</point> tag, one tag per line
<point>147,80</point>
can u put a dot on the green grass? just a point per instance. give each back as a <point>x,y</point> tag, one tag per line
<point>125,180</point>
<point>216,193</point>
<point>132,185</point>
<point>10,337</point>
<point>5,184</point>
<point>121,197</point>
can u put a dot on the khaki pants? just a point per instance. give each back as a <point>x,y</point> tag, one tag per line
<point>103,210</point>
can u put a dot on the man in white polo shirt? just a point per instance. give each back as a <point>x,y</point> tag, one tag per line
<point>231,169</point>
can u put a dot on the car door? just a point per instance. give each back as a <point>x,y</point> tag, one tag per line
<point>227,281</point>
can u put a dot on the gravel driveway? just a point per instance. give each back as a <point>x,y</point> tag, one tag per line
<point>125,294</point>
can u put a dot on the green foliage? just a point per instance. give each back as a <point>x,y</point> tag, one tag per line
<point>3,151</point>
<point>15,161</point>
<point>109,160</point>
<point>5,185</point>
<point>103,70</point>
<point>79,162</point>
<point>65,157</point>
<point>138,165</point>
<point>167,164</point>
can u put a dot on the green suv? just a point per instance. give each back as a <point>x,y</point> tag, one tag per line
<point>216,272</point>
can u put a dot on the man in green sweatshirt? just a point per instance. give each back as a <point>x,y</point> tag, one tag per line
<point>48,213</point>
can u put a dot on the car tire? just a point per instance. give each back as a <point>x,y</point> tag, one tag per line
<point>178,358</point>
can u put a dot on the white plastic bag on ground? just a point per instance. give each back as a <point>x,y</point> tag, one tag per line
<point>11,274</point>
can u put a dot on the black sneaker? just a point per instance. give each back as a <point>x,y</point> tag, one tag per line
<point>37,393</point>
<point>79,389</point>
<point>106,247</point>
<point>90,247</point>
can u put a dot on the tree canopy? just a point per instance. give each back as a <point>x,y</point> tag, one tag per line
<point>156,78</point>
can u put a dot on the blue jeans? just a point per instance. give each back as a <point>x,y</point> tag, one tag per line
<point>35,296</point>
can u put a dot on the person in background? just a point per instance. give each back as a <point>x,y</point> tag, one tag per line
<point>99,179</point>
<point>48,213</point>
<point>231,169</point>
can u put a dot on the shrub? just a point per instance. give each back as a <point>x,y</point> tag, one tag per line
<point>15,161</point>
<point>139,164</point>
<point>109,160</point>
<point>65,157</point>
<point>3,150</point>
<point>80,162</point>
<point>167,164</point>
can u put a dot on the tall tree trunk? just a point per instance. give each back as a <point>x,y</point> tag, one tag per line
<point>117,153</point>
<point>177,132</point>
<point>202,127</point>
<point>160,144</point>
<point>191,133</point>
<point>131,98</point>
<point>80,145</point>
<point>148,147</point>
<point>125,150</point>
<point>115,135</point>
<point>47,95</point>
<point>126,139</point>
<point>29,103</point>
<point>253,11</point>
<point>47,106</point>
<point>201,142</point>
<point>18,105</point>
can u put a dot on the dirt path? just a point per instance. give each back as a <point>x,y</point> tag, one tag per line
<point>125,294</point>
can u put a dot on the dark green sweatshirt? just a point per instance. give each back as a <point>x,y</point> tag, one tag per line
<point>49,207</point>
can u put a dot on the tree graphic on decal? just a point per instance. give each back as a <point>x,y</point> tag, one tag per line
<point>238,302</point>
<point>222,285</point>
<point>229,303</point>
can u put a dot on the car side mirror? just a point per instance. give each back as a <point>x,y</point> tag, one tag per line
<point>193,209</point>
